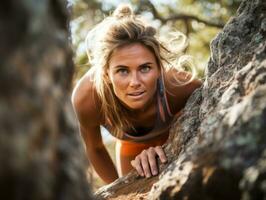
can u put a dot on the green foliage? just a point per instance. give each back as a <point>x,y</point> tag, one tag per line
<point>208,18</point>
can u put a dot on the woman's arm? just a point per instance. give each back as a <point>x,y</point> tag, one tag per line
<point>86,107</point>
<point>97,153</point>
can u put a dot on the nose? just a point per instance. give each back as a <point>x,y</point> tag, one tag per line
<point>134,80</point>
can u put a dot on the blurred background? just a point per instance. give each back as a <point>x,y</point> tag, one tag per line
<point>199,20</point>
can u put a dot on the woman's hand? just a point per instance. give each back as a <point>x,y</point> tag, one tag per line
<point>145,163</point>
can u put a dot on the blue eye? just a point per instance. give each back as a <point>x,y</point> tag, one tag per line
<point>122,71</point>
<point>145,69</point>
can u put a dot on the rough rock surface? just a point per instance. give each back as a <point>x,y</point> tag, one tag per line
<point>217,147</point>
<point>40,152</point>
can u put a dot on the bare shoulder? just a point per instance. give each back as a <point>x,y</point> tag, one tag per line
<point>178,93</point>
<point>86,102</point>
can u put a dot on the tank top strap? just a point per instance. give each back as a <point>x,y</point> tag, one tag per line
<point>163,106</point>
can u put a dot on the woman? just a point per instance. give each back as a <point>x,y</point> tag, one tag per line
<point>132,91</point>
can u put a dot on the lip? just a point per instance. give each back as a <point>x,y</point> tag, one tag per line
<point>136,95</point>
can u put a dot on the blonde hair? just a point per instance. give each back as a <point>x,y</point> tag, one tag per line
<point>120,29</point>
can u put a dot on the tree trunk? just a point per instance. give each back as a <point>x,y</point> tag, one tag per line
<point>41,154</point>
<point>217,147</point>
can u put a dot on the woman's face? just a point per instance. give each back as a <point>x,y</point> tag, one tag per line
<point>133,72</point>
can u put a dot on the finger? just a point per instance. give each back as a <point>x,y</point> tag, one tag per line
<point>152,161</point>
<point>160,152</point>
<point>145,164</point>
<point>137,165</point>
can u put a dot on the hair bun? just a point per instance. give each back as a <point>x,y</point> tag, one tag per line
<point>150,30</point>
<point>123,10</point>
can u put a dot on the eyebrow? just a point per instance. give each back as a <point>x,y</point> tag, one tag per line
<point>124,66</point>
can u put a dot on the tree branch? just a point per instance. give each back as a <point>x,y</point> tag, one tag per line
<point>146,4</point>
<point>191,17</point>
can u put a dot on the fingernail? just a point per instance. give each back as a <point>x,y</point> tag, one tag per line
<point>148,175</point>
<point>154,172</point>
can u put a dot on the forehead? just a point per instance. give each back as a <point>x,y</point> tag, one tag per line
<point>131,54</point>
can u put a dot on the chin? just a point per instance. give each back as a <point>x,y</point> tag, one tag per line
<point>136,106</point>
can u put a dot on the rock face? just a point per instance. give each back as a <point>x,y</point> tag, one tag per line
<point>41,154</point>
<point>217,148</point>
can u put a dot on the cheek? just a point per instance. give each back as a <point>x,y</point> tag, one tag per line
<point>152,82</point>
<point>119,85</point>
